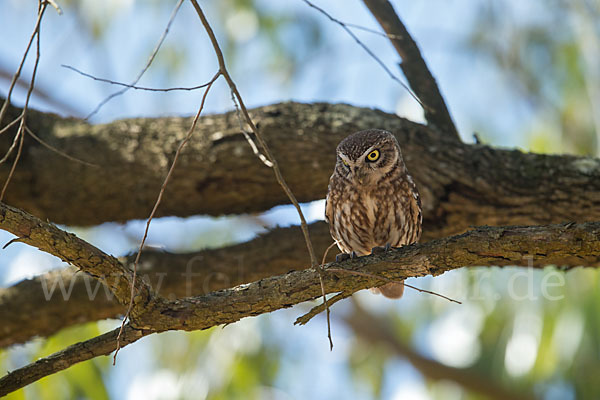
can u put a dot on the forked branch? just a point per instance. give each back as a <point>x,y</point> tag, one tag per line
<point>567,245</point>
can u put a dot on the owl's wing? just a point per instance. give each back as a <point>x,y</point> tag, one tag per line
<point>328,210</point>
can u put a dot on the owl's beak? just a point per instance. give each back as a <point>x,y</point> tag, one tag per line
<point>359,175</point>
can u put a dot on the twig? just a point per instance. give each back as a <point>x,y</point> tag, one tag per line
<point>21,131</point>
<point>14,164</point>
<point>383,278</point>
<point>182,144</point>
<point>170,89</point>
<point>267,152</point>
<point>9,125</point>
<point>303,320</point>
<point>57,151</point>
<point>148,63</point>
<point>369,52</point>
<point>255,150</point>
<point>486,246</point>
<point>15,139</point>
<point>414,67</point>
<point>36,29</point>
<point>76,353</point>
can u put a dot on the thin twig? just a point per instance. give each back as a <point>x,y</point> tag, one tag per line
<point>170,89</point>
<point>383,278</point>
<point>57,151</point>
<point>369,30</point>
<point>255,150</point>
<point>511,245</point>
<point>182,144</point>
<point>14,164</point>
<point>325,302</point>
<point>148,63</point>
<point>15,140</point>
<point>304,319</point>
<point>18,73</point>
<point>369,52</point>
<point>10,124</point>
<point>21,130</point>
<point>266,151</point>
<point>15,240</point>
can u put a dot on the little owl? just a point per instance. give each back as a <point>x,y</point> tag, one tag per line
<point>372,202</point>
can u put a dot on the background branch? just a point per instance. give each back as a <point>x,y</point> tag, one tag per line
<point>414,67</point>
<point>377,331</point>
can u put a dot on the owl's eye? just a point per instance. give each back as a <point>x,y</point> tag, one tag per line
<point>373,156</point>
<point>344,162</point>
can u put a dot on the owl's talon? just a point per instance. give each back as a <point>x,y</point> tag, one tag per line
<point>353,255</point>
<point>342,257</point>
<point>381,249</point>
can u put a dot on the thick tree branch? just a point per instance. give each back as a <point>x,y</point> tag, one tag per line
<point>55,300</point>
<point>99,346</point>
<point>414,67</point>
<point>537,246</point>
<point>461,184</point>
<point>69,248</point>
<point>377,331</point>
<point>29,310</point>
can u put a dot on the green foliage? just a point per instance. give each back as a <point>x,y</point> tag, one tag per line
<point>83,380</point>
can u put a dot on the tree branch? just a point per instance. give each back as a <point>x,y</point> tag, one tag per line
<point>537,246</point>
<point>99,346</point>
<point>28,310</point>
<point>414,67</point>
<point>460,184</point>
<point>69,248</point>
<point>55,300</point>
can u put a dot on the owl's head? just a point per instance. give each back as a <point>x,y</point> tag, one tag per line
<point>365,157</point>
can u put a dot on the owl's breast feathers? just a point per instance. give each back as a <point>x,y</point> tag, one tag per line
<point>362,218</point>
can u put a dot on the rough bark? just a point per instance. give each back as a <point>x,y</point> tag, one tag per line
<point>69,248</point>
<point>565,244</point>
<point>78,352</point>
<point>461,184</point>
<point>28,309</point>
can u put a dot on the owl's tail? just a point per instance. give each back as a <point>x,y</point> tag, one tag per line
<point>390,290</point>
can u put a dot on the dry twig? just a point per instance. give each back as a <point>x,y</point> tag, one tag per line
<point>148,63</point>
<point>133,86</point>
<point>369,52</point>
<point>484,246</point>
<point>187,138</point>
<point>23,118</point>
<point>266,151</point>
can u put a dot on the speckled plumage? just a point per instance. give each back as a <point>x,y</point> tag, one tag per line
<point>372,203</point>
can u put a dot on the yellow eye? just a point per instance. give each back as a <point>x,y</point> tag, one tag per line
<point>373,156</point>
<point>345,162</point>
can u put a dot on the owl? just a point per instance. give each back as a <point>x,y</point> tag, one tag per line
<point>372,202</point>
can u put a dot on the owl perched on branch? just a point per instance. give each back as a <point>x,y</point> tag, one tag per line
<point>372,202</point>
